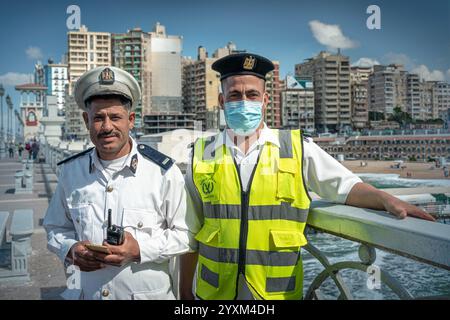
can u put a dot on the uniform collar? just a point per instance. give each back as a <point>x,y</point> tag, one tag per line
<point>266,135</point>
<point>131,163</point>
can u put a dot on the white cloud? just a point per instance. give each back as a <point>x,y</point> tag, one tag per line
<point>425,74</point>
<point>448,74</point>
<point>34,53</point>
<point>13,78</point>
<point>422,70</point>
<point>399,58</point>
<point>331,35</point>
<point>365,62</point>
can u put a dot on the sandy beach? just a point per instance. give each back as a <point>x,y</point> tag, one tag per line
<point>413,170</point>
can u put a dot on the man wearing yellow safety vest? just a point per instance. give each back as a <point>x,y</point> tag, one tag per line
<point>248,186</point>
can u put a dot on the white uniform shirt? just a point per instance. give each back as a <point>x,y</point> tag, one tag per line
<point>323,175</point>
<point>150,203</point>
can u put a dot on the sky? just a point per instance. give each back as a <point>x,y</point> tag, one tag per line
<point>413,33</point>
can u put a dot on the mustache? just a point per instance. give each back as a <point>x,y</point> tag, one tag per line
<point>108,134</point>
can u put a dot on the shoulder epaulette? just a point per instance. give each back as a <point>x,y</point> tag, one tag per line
<point>306,136</point>
<point>74,156</point>
<point>155,156</point>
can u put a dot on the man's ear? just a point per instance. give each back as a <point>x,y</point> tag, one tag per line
<point>221,100</point>
<point>266,99</point>
<point>86,119</point>
<point>131,119</point>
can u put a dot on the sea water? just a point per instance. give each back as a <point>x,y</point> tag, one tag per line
<point>420,279</point>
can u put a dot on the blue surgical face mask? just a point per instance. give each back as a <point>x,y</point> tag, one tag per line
<point>243,117</point>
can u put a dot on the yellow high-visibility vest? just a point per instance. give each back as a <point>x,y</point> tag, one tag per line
<point>258,233</point>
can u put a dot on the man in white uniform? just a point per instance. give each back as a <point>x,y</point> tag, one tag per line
<point>141,188</point>
<point>244,101</point>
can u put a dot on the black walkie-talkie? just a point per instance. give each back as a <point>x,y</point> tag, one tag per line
<point>114,234</point>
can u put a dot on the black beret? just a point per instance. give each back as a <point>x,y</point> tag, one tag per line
<point>243,64</point>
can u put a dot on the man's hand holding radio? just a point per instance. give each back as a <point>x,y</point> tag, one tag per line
<point>122,254</point>
<point>128,251</point>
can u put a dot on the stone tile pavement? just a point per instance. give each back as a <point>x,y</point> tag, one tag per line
<point>47,278</point>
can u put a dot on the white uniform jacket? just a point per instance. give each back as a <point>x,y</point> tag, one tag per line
<point>147,196</point>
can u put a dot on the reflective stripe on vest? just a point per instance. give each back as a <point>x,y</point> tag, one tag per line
<point>259,232</point>
<point>266,212</point>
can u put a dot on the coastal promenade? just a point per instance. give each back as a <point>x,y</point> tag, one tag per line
<point>47,279</point>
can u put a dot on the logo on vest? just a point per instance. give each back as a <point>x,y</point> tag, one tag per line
<point>207,187</point>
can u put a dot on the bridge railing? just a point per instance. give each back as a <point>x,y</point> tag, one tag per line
<point>57,151</point>
<point>420,240</point>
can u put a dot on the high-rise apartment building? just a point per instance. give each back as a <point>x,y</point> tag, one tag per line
<point>165,109</point>
<point>201,86</point>
<point>56,79</point>
<point>359,81</point>
<point>297,103</point>
<point>435,99</point>
<point>387,89</point>
<point>131,52</point>
<point>413,106</point>
<point>273,88</point>
<point>54,76</point>
<point>86,50</point>
<point>331,78</point>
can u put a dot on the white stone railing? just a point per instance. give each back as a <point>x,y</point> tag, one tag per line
<point>55,151</point>
<point>420,240</point>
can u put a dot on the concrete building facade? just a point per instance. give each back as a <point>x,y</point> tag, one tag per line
<point>441,93</point>
<point>54,76</point>
<point>201,86</point>
<point>273,116</point>
<point>359,82</point>
<point>413,106</point>
<point>86,50</point>
<point>387,89</point>
<point>331,77</point>
<point>165,102</point>
<point>297,103</point>
<point>56,79</point>
<point>131,52</point>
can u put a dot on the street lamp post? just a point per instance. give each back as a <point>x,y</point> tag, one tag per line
<point>11,121</point>
<point>8,132</point>
<point>18,126</point>
<point>2,137</point>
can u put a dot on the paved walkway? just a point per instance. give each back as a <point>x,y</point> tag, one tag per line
<point>46,271</point>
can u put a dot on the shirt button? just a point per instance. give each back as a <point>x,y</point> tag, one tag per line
<point>109,189</point>
<point>105,293</point>
<point>140,224</point>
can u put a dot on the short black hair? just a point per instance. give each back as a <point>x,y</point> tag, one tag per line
<point>125,101</point>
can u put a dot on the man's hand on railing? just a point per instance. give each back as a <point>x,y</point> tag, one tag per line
<point>402,209</point>
<point>364,195</point>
